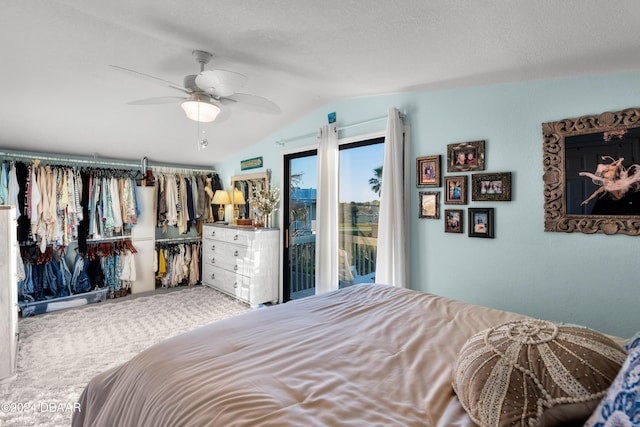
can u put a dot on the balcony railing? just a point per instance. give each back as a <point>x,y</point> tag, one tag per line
<point>357,262</point>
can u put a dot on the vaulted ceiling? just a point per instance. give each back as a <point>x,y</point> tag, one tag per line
<point>59,94</point>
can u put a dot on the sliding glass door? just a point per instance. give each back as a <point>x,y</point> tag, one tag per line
<point>359,203</point>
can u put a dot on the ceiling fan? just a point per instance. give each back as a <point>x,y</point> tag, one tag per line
<point>207,95</point>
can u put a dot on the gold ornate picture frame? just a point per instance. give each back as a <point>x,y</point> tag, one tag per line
<point>610,139</point>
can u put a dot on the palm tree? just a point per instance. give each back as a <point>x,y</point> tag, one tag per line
<point>296,179</point>
<point>376,181</point>
<point>297,211</point>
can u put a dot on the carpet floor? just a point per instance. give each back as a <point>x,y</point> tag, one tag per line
<point>60,352</point>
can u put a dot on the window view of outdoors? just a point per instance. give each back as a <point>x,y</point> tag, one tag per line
<point>359,203</point>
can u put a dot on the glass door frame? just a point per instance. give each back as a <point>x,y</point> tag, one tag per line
<point>284,177</point>
<point>285,286</point>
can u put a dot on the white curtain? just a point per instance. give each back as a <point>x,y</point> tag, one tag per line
<point>327,210</point>
<point>391,261</point>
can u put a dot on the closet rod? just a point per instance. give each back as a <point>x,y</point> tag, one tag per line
<point>109,239</point>
<point>282,142</point>
<point>57,158</point>
<point>182,169</point>
<point>179,239</point>
<point>73,160</point>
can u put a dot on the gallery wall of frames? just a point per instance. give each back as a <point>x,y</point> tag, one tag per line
<point>465,179</point>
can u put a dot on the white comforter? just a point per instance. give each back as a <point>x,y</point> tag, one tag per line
<point>368,355</point>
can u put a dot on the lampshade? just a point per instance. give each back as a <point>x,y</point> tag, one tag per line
<point>238,197</point>
<point>221,197</point>
<point>200,109</point>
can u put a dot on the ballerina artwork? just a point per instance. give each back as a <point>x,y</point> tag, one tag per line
<point>613,178</point>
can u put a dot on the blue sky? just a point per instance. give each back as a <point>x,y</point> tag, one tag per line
<point>356,168</point>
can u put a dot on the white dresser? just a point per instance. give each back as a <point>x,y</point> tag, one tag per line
<point>8,293</point>
<point>241,262</point>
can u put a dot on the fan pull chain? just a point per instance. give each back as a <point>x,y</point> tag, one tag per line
<point>202,142</point>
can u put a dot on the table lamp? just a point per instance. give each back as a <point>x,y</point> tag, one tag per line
<point>238,199</point>
<point>221,197</point>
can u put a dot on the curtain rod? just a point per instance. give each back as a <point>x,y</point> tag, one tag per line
<point>78,160</point>
<point>282,142</point>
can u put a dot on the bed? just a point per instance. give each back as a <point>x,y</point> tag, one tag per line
<point>367,355</point>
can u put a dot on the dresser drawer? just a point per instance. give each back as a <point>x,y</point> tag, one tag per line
<point>240,237</point>
<point>229,235</point>
<point>213,248</point>
<point>229,282</point>
<point>229,257</point>
<point>217,233</point>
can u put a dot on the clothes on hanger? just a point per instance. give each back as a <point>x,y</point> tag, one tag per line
<point>181,200</point>
<point>45,275</point>
<point>178,264</point>
<point>52,201</point>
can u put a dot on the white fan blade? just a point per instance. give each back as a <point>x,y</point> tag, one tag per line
<point>253,103</point>
<point>220,83</point>
<point>152,78</point>
<point>224,114</point>
<point>158,100</point>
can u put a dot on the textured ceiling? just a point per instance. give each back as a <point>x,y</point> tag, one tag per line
<point>58,93</point>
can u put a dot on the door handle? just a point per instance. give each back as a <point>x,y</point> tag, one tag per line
<point>286,238</point>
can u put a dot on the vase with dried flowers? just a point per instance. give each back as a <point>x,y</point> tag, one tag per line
<point>264,203</point>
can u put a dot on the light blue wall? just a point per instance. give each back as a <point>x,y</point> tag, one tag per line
<point>591,280</point>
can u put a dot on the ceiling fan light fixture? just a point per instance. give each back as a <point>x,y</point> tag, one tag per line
<point>200,109</point>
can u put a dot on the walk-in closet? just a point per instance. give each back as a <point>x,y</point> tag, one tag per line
<point>91,229</point>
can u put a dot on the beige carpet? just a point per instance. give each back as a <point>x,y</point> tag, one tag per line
<point>60,352</point>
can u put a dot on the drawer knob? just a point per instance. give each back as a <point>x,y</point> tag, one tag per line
<point>235,237</point>
<point>213,275</point>
<point>213,260</point>
<point>235,285</point>
<point>213,234</point>
<point>213,247</point>
<point>235,253</point>
<point>235,268</point>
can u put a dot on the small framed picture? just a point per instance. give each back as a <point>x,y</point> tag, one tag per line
<point>465,156</point>
<point>429,205</point>
<point>428,171</point>
<point>455,190</point>
<point>493,187</point>
<point>481,222</point>
<point>453,221</point>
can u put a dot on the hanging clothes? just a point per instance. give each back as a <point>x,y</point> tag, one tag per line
<point>178,264</point>
<point>45,275</point>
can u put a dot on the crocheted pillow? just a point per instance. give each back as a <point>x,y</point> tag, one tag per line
<point>534,372</point>
<point>621,404</point>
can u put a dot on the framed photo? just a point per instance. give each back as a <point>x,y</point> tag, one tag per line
<point>494,187</point>
<point>455,190</point>
<point>481,222</point>
<point>428,171</point>
<point>453,220</point>
<point>465,156</point>
<point>429,205</point>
